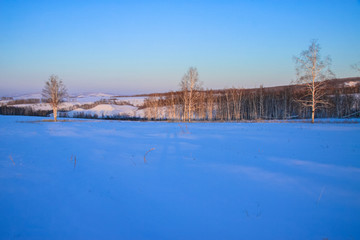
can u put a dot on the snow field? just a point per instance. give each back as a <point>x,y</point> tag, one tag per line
<point>201,181</point>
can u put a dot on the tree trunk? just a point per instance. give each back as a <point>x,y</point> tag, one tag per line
<point>55,113</point>
<point>190,105</point>
<point>312,115</point>
<point>313,105</point>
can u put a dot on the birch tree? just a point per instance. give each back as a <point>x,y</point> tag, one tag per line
<point>54,93</point>
<point>190,86</point>
<point>312,71</point>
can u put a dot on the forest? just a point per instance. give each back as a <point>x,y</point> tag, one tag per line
<point>236,104</point>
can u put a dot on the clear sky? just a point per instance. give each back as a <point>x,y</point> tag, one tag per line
<point>127,47</point>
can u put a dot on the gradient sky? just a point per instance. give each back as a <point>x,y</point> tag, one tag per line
<point>128,47</point>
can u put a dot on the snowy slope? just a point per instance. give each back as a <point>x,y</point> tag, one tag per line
<point>28,96</point>
<point>91,97</point>
<point>135,101</point>
<point>200,181</point>
<point>47,106</point>
<point>106,110</point>
<point>35,106</point>
<point>125,106</point>
<point>88,98</point>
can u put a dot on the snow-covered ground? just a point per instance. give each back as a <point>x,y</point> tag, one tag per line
<point>199,181</point>
<point>104,110</point>
<point>351,84</point>
<point>92,97</point>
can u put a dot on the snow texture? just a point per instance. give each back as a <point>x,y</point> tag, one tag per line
<point>351,84</point>
<point>91,179</point>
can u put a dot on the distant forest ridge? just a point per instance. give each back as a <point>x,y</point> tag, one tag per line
<point>336,82</point>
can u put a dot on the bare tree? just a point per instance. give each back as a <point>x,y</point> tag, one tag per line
<point>171,109</point>
<point>237,102</point>
<point>190,86</point>
<point>261,101</point>
<point>54,93</point>
<point>312,71</point>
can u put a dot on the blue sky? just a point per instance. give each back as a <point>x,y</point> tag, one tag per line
<point>127,47</point>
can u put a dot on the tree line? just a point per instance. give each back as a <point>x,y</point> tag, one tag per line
<point>237,104</point>
<point>25,111</point>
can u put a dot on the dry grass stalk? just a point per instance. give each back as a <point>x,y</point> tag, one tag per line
<point>184,130</point>
<point>12,159</point>
<point>320,196</point>
<point>147,153</point>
